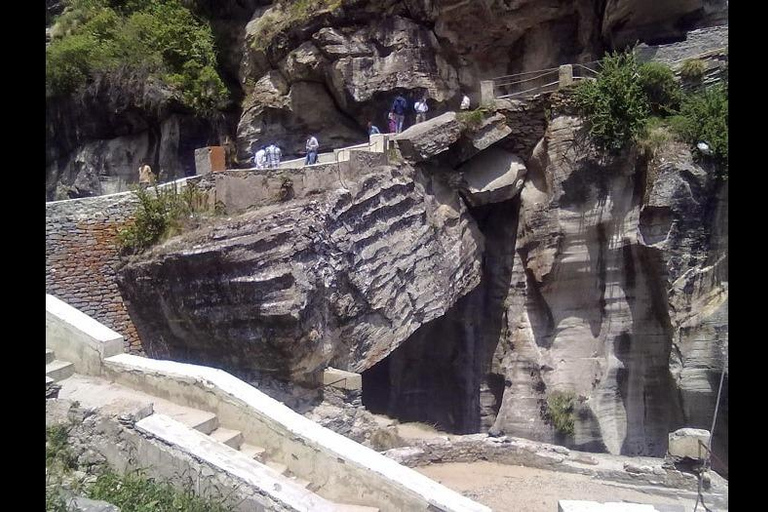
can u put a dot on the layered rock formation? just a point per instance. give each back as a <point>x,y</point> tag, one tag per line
<point>343,276</point>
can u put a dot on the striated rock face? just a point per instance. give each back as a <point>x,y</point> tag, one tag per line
<point>685,217</point>
<point>342,276</point>
<point>605,248</point>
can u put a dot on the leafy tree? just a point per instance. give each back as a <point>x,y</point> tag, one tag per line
<point>95,37</point>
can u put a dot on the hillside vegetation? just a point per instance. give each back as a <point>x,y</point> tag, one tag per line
<point>161,38</point>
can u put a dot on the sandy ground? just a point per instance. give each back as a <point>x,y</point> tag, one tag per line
<point>521,489</point>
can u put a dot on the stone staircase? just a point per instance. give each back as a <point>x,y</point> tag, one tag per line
<point>56,370</point>
<point>96,392</point>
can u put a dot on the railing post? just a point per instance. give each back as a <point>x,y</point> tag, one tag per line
<point>486,93</point>
<point>565,75</point>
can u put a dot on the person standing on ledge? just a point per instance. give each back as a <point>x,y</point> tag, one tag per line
<point>146,177</point>
<point>465,102</point>
<point>421,109</point>
<point>260,158</point>
<point>312,147</point>
<point>399,107</point>
<point>372,130</point>
<point>273,156</point>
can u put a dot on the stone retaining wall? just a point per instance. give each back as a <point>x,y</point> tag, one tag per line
<point>80,258</point>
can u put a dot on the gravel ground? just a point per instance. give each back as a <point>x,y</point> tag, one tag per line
<point>520,489</point>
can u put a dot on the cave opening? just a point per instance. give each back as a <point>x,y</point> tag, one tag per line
<point>444,374</point>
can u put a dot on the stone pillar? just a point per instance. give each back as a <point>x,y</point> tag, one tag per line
<point>486,93</point>
<point>210,159</point>
<point>566,75</point>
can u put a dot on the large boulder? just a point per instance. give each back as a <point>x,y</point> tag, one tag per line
<point>493,176</point>
<point>425,140</point>
<point>338,277</point>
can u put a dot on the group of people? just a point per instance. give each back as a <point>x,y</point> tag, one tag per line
<point>397,112</point>
<point>268,157</point>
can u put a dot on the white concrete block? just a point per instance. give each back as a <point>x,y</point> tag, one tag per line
<point>232,438</point>
<point>78,338</point>
<point>594,506</point>
<point>342,379</point>
<point>684,442</point>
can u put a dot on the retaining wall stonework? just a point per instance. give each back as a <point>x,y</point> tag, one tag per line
<point>80,258</point>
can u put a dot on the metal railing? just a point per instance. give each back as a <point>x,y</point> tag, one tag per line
<point>530,83</point>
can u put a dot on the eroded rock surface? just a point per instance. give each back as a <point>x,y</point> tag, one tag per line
<point>605,247</point>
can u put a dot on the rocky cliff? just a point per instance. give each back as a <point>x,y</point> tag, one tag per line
<point>328,67</point>
<point>468,295</point>
<point>494,267</point>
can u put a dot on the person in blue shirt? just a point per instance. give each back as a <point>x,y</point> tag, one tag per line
<point>399,106</point>
<point>372,130</point>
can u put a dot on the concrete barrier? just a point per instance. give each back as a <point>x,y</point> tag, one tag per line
<point>344,470</point>
<point>341,379</point>
<point>78,338</point>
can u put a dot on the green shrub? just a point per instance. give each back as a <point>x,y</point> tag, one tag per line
<point>161,213</point>
<point>615,105</point>
<point>657,134</point>
<point>57,450</point>
<point>661,89</point>
<point>100,36</point>
<point>472,118</point>
<point>134,492</point>
<point>560,411</point>
<point>704,117</point>
<point>693,70</point>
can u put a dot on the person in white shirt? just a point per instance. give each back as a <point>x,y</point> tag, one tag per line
<point>311,147</point>
<point>260,158</point>
<point>421,109</point>
<point>465,102</point>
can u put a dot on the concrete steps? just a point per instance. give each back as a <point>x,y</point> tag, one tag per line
<point>231,438</point>
<point>277,467</point>
<point>254,452</point>
<point>59,370</point>
<point>202,421</point>
<point>235,463</point>
<point>95,392</point>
